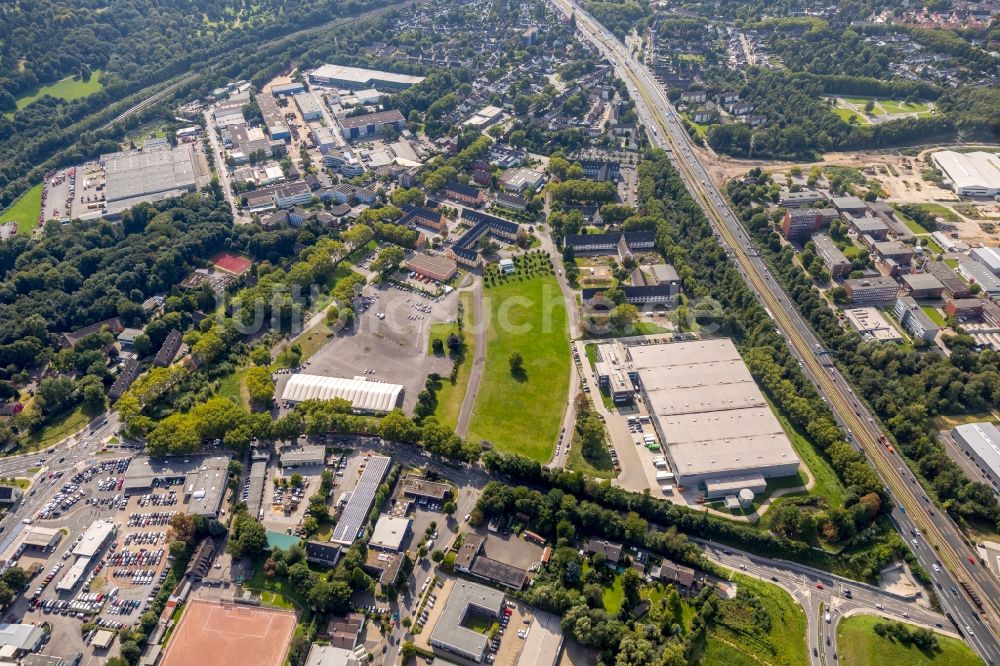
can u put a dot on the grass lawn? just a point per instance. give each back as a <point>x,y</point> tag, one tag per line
<point>275,591</point>
<point>893,106</point>
<point>846,115</point>
<point>449,396</point>
<point>25,210</point>
<point>947,422</point>
<point>231,386</point>
<point>935,315</point>
<point>601,467</point>
<point>951,262</point>
<point>67,89</point>
<point>940,211</point>
<point>737,640</point>
<point>827,483</point>
<point>59,429</point>
<point>649,328</point>
<point>614,596</point>
<point>859,644</point>
<point>933,246</point>
<point>522,415</point>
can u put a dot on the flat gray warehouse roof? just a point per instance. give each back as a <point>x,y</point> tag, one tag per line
<point>710,414</point>
<point>355,513</point>
<point>204,478</point>
<point>134,174</point>
<point>984,440</point>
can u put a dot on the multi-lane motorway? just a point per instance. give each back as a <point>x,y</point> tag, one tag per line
<point>935,538</point>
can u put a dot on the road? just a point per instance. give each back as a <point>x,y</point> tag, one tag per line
<point>479,329</point>
<point>66,455</point>
<point>801,583</point>
<point>940,536</point>
<point>225,181</point>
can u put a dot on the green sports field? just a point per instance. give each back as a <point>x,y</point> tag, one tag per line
<point>523,414</point>
<point>25,210</point>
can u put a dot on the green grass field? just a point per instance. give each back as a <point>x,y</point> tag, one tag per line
<point>940,211</point>
<point>25,210</point>
<point>827,483</point>
<point>935,315</point>
<point>523,415</point>
<point>860,645</point>
<point>67,89</point>
<point>450,397</point>
<point>737,640</point>
<point>847,114</point>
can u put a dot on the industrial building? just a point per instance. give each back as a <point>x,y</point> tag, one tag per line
<point>355,127</point>
<point>953,284</point>
<point>303,456</point>
<point>870,226</point>
<point>978,273</point>
<point>709,413</point>
<point>364,396</point>
<point>975,174</point>
<point>981,442</point>
<point>987,256</point>
<point>274,118</point>
<point>358,78</point>
<point>466,601</point>
<point>155,172</point>
<point>204,479</point>
<point>355,513</point>
<point>308,106</point>
<point>870,323</point>
<point>499,572</point>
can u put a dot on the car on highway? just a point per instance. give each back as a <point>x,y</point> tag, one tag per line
<point>972,560</point>
<point>819,586</point>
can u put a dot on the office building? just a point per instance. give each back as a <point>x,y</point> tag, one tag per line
<point>870,323</point>
<point>835,261</point>
<point>802,199</point>
<point>914,319</point>
<point>452,632</point>
<point>389,533</point>
<point>875,291</point>
<point>303,456</point>
<point>803,222</point>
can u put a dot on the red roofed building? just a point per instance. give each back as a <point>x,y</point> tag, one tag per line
<point>231,263</point>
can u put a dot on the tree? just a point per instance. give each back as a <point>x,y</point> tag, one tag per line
<point>143,345</point>
<point>260,386</point>
<point>16,578</point>
<point>130,651</point>
<point>408,651</point>
<point>437,347</point>
<point>388,260</point>
<point>92,392</point>
<point>449,508</point>
<point>516,362</point>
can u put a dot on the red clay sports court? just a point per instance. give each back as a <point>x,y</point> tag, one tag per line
<point>220,634</point>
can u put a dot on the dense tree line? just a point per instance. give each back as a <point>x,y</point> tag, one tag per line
<point>904,387</point>
<point>800,124</point>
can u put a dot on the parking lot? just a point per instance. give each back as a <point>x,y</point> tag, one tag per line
<point>388,344</point>
<point>124,574</point>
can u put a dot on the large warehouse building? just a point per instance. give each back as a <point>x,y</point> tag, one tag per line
<point>715,424</point>
<point>364,396</point>
<point>971,174</point>
<point>154,173</point>
<point>358,78</point>
<point>981,442</point>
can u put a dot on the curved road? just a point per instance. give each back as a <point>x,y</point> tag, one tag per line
<point>939,536</point>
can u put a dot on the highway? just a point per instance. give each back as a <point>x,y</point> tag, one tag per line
<point>939,541</point>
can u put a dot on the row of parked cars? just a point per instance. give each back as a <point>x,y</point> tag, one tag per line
<point>142,538</point>
<point>146,519</point>
<point>142,558</point>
